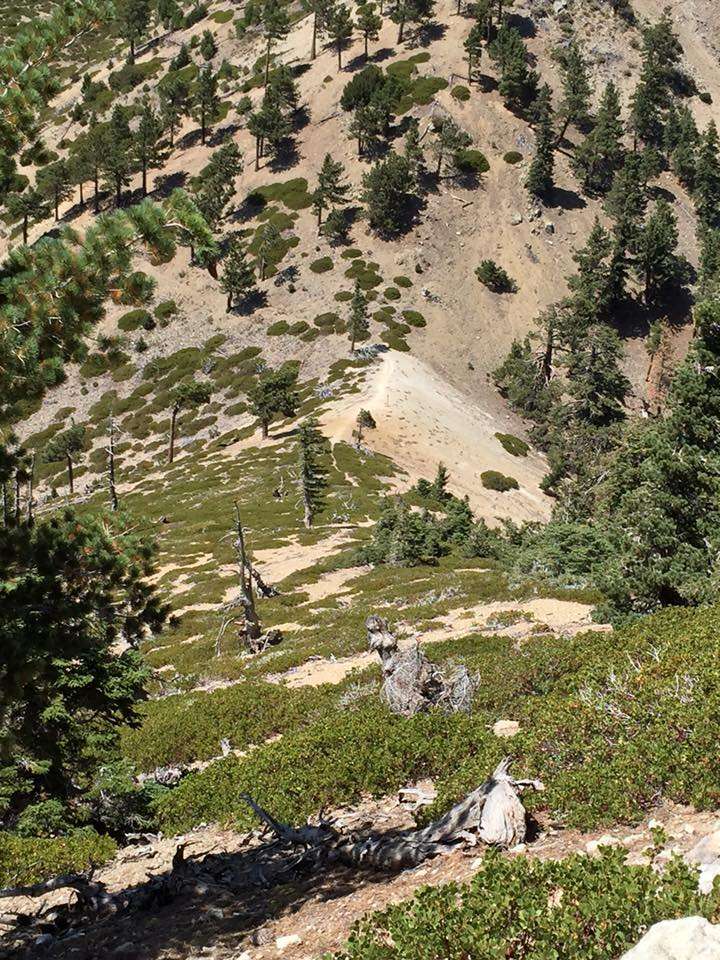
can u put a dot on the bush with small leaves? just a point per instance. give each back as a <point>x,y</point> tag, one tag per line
<point>495,278</point>
<point>494,480</point>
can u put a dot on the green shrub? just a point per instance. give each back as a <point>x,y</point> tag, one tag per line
<point>298,328</point>
<point>391,293</point>
<point>278,328</point>
<point>522,907</point>
<point>134,319</point>
<point>25,860</point>
<point>495,278</point>
<point>322,265</point>
<point>165,310</point>
<point>352,253</point>
<point>343,296</point>
<point>705,96</point>
<point>514,445</point>
<point>512,157</point>
<point>461,93</point>
<point>494,480</point>
<point>402,281</point>
<point>472,161</point>
<point>414,318</point>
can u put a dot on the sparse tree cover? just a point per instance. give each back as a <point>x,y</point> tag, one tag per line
<point>75,606</point>
<point>312,475</point>
<point>238,276</point>
<point>319,10</point>
<point>116,163</point>
<point>206,102</point>
<point>449,143</point>
<point>707,178</point>
<point>267,240</point>
<point>170,14</point>
<point>659,268</point>
<point>215,187</point>
<point>413,149</point>
<point>64,447</point>
<point>339,27</point>
<point>518,83</point>
<point>601,153</point>
<point>364,421</point>
<point>577,91</point>
<point>208,46</point>
<point>358,320</point>
<point>188,395</point>
<point>270,127</point>
<point>274,395</point>
<point>415,12</point>
<point>275,26</point>
<point>369,23</point>
<point>332,189</point>
<point>134,20</point>
<point>473,46</point>
<point>591,288</point>
<point>653,95</point>
<point>29,207</point>
<point>174,94</point>
<point>55,183</point>
<point>387,191</point>
<point>146,142</point>
<point>540,179</point>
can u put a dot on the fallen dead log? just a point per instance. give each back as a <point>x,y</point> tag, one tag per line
<point>493,813</point>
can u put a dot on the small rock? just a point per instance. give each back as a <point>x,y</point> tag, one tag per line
<point>706,851</point>
<point>707,876</point>
<point>690,938</point>
<point>653,824</point>
<point>516,219</point>
<point>549,226</point>
<point>506,728</point>
<point>291,940</point>
<point>592,846</point>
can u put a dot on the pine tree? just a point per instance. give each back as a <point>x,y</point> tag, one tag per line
<point>518,84</point>
<point>403,12</point>
<point>540,179</point>
<point>134,19</point>
<point>591,291</point>
<point>116,163</point>
<point>658,265</point>
<point>269,126</point>
<point>364,421</point>
<point>680,143</point>
<point>369,23</point>
<point>274,395</point>
<point>332,189</point>
<point>238,277</point>
<point>267,239</point>
<point>626,204</point>
<point>339,27</point>
<point>215,187</point>
<point>320,11</point>
<point>707,178</point>
<point>30,206</point>
<point>652,97</point>
<point>473,46</point>
<point>387,190</point>
<point>208,46</point>
<point>64,447</point>
<point>55,183</point>
<point>450,140</point>
<point>187,395</point>
<point>358,321</point>
<point>597,385</point>
<point>92,149</point>
<point>174,94</point>
<point>76,604</point>
<point>275,25</point>
<point>577,91</point>
<point>282,89</point>
<point>601,153</point>
<point>367,125</point>
<point>146,142</point>
<point>413,151</point>
<point>206,103</point>
<point>312,475</point>
<point>170,14</point>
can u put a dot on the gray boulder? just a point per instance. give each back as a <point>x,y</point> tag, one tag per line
<point>690,938</point>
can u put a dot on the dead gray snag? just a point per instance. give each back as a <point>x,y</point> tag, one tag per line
<point>411,683</point>
<point>111,466</point>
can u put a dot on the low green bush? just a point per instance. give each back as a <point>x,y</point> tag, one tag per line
<point>26,860</point>
<point>134,319</point>
<point>322,265</point>
<point>343,296</point>
<point>513,157</point>
<point>352,253</point>
<point>460,92</point>
<point>521,907</point>
<point>278,328</point>
<point>494,480</point>
<point>495,278</point>
<point>402,281</point>
<point>391,293</point>
<point>514,445</point>
<point>165,310</point>
<point>472,161</point>
<point>414,318</point>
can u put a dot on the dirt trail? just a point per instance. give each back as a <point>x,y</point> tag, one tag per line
<point>561,616</point>
<point>422,420</point>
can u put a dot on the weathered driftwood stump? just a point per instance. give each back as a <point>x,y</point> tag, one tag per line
<point>411,683</point>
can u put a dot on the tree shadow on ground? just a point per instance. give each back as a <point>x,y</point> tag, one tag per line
<point>384,53</point>
<point>286,157</point>
<point>250,304</point>
<point>165,183</point>
<point>634,318</point>
<point>220,134</point>
<point>525,26</point>
<point>426,34</point>
<point>562,199</point>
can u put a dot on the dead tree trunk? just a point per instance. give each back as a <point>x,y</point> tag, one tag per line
<point>253,630</point>
<point>31,477</point>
